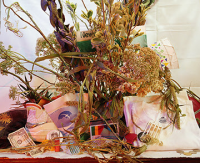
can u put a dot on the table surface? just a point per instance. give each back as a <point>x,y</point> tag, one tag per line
<point>148,156</point>
<point>92,160</point>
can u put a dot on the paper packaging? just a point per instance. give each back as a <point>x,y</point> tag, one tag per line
<point>166,52</point>
<point>39,124</point>
<point>84,41</point>
<point>99,128</point>
<point>62,113</point>
<point>141,111</point>
<point>71,149</point>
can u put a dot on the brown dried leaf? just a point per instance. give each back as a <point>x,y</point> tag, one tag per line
<point>187,153</point>
<point>193,152</point>
<point>180,151</point>
<point>196,150</point>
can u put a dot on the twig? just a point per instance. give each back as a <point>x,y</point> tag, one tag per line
<point>84,5</point>
<point>20,79</point>
<point>26,68</point>
<point>103,13</point>
<point>36,28</point>
<point>108,125</point>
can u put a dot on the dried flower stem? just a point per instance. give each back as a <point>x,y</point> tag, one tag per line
<point>27,69</point>
<point>36,28</point>
<point>33,64</point>
<point>103,10</point>
<point>61,7</point>
<point>19,79</point>
<point>108,126</point>
<point>84,5</point>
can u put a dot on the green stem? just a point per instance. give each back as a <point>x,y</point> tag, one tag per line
<point>26,68</point>
<point>83,22</point>
<point>61,8</point>
<point>36,28</point>
<point>108,125</point>
<point>20,80</point>
<point>103,10</point>
<point>45,68</point>
<point>84,5</point>
<point>81,88</point>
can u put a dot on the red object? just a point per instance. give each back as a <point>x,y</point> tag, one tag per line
<point>130,138</point>
<point>55,97</point>
<point>196,106</point>
<point>57,142</point>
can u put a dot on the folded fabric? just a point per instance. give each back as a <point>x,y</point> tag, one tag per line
<point>11,121</point>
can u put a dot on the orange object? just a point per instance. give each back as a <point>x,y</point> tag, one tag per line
<point>43,102</point>
<point>55,97</point>
<point>57,142</point>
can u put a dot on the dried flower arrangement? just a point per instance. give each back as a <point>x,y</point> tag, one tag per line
<point>114,69</point>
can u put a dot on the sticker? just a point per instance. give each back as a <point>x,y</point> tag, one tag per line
<point>162,120</point>
<point>54,134</point>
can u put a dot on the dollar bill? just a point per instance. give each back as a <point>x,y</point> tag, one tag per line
<point>20,138</point>
<point>37,151</point>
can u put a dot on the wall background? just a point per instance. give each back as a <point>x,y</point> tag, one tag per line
<point>177,20</point>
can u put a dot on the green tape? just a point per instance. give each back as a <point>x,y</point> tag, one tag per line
<point>142,40</point>
<point>93,130</point>
<point>85,46</point>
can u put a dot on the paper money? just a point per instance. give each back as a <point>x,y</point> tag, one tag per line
<point>37,151</point>
<point>20,138</point>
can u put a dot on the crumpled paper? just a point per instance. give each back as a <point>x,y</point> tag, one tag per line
<point>166,52</point>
